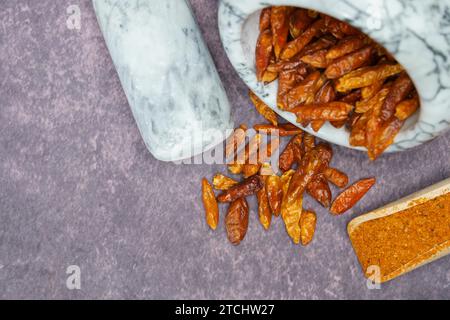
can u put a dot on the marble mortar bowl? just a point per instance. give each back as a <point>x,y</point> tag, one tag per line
<point>416,32</point>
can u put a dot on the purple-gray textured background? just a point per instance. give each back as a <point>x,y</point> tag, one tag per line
<point>77,186</point>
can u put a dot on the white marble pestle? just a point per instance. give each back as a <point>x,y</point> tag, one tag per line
<point>167,74</point>
<point>416,32</point>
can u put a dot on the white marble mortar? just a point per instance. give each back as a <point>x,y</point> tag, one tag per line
<point>416,32</point>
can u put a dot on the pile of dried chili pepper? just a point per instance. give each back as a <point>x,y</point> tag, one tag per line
<point>329,71</point>
<point>304,168</point>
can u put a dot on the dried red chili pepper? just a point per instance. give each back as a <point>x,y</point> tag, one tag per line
<point>324,95</point>
<point>332,111</point>
<point>295,46</point>
<point>317,59</point>
<point>385,137</point>
<point>210,204</point>
<point>274,188</point>
<point>298,150</point>
<point>287,157</point>
<point>308,222</point>
<point>291,210</point>
<point>264,19</point>
<point>283,130</point>
<point>319,189</point>
<point>264,212</point>
<point>223,183</point>
<point>294,64</point>
<point>345,46</point>
<point>366,76</point>
<point>373,126</point>
<point>309,142</point>
<point>336,177</point>
<point>407,108</point>
<point>236,221</point>
<point>299,21</point>
<point>324,42</point>
<point>402,86</point>
<point>348,199</point>
<point>263,53</point>
<point>279,21</point>
<point>246,188</point>
<point>348,63</point>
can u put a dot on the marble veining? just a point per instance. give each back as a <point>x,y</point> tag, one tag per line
<point>168,75</point>
<point>416,32</point>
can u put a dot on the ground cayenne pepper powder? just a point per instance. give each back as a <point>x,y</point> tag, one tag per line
<point>404,240</point>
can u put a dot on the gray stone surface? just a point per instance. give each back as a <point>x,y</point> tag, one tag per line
<point>77,186</point>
